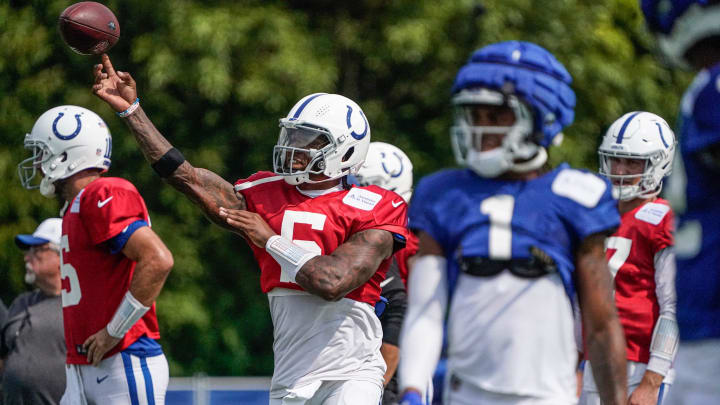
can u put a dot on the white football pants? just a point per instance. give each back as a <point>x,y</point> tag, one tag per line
<point>467,394</point>
<point>345,392</point>
<point>121,379</point>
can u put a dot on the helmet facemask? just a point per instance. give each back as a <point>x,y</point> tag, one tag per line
<point>301,152</point>
<point>644,184</point>
<point>28,168</point>
<point>517,152</point>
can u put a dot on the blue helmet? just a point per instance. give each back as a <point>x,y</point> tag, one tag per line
<point>530,80</point>
<point>680,24</point>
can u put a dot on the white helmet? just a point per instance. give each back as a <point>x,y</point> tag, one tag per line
<point>388,167</point>
<point>638,135</point>
<point>329,132</point>
<point>64,140</point>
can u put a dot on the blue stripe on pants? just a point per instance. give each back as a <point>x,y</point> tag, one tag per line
<point>132,386</point>
<point>148,381</point>
<point>660,394</point>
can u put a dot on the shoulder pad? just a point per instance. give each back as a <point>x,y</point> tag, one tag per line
<point>362,198</point>
<point>584,188</point>
<point>652,213</point>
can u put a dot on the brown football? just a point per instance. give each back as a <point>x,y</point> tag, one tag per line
<point>89,28</point>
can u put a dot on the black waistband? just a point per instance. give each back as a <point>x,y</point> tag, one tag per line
<point>538,265</point>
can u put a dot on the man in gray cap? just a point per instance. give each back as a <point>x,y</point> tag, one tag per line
<point>32,343</point>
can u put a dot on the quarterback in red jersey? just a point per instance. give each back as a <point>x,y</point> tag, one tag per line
<point>113,264</point>
<point>323,247</point>
<point>636,154</point>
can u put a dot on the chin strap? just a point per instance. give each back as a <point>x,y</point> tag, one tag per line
<point>535,163</point>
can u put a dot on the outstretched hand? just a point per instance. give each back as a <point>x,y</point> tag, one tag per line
<point>249,224</point>
<point>115,88</point>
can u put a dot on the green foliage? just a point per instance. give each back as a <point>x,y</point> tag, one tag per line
<point>216,75</point>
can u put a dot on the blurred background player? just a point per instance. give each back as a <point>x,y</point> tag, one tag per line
<point>635,155</point>
<point>113,265</point>
<point>389,167</point>
<point>506,242</point>
<point>32,344</point>
<point>688,32</point>
<point>322,246</point>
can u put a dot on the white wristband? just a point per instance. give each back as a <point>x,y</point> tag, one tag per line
<point>289,256</point>
<point>664,344</point>
<point>129,312</point>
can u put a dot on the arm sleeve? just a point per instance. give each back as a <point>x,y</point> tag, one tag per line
<point>661,360</point>
<point>422,331</point>
<point>394,291</point>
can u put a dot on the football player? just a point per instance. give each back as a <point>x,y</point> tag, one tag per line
<point>635,155</point>
<point>688,32</point>
<point>113,265</point>
<point>389,167</point>
<point>323,247</point>
<point>505,243</point>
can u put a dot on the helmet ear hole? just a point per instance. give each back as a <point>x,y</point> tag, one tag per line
<point>348,154</point>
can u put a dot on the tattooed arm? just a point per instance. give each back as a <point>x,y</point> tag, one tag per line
<point>203,187</point>
<point>604,335</point>
<point>348,267</point>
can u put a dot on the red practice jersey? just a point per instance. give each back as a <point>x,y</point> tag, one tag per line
<point>631,251</point>
<point>321,224</point>
<point>403,255</point>
<point>94,280</point>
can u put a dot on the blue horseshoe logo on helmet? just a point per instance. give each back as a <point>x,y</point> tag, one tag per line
<point>388,171</point>
<point>70,136</point>
<point>352,132</point>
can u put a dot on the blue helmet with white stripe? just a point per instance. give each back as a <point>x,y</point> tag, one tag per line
<point>534,84</point>
<point>648,140</point>
<point>323,137</point>
<point>680,24</point>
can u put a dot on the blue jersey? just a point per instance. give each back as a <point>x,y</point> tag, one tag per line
<point>471,216</point>
<point>698,235</point>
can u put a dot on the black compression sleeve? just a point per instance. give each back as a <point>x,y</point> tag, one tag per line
<point>168,163</point>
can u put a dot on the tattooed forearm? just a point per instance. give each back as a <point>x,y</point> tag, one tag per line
<point>203,187</point>
<point>604,336</point>
<point>348,267</point>
<point>152,144</point>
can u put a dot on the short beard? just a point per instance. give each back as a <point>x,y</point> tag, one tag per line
<point>60,191</point>
<point>30,276</point>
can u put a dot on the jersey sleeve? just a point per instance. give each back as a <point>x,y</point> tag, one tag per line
<point>253,187</point>
<point>425,213</point>
<point>108,210</point>
<point>588,206</point>
<point>389,214</point>
<point>663,235</point>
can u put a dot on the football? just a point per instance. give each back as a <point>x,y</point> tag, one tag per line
<point>89,28</point>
